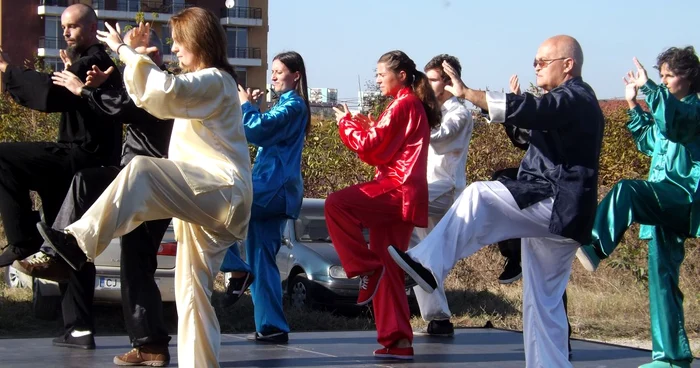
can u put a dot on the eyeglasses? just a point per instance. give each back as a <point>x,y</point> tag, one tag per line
<point>543,63</point>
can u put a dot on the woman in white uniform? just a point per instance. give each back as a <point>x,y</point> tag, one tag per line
<point>204,185</point>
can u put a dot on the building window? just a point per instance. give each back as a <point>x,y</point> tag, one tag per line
<point>129,5</point>
<point>242,76</point>
<point>165,37</point>
<point>53,34</point>
<point>237,42</point>
<point>53,63</point>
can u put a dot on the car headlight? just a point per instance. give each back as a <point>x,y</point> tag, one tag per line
<point>337,272</point>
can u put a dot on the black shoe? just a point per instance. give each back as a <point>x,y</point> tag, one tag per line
<point>86,342</point>
<point>512,272</point>
<point>275,337</point>
<point>443,328</point>
<point>236,287</point>
<point>421,275</point>
<point>13,253</point>
<point>64,244</point>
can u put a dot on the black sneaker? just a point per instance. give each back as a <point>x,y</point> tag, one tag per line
<point>64,244</point>
<point>512,272</point>
<point>13,253</point>
<point>236,287</point>
<point>274,337</point>
<point>442,328</point>
<point>86,342</point>
<point>421,275</point>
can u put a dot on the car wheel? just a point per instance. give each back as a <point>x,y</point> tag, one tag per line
<point>45,307</point>
<point>300,292</point>
<point>13,279</point>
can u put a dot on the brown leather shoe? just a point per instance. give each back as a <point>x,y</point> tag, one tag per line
<point>44,267</point>
<point>147,355</point>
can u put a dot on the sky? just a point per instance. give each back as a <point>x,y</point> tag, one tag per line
<point>341,40</point>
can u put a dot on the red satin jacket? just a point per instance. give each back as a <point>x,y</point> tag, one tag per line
<point>398,146</point>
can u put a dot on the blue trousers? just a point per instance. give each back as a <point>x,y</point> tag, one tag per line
<point>265,232</point>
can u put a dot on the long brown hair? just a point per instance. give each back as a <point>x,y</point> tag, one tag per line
<point>397,61</point>
<point>200,31</point>
<point>295,63</point>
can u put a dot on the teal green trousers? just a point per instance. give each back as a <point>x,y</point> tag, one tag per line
<point>666,207</point>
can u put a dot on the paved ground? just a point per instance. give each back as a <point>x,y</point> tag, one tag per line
<point>474,347</point>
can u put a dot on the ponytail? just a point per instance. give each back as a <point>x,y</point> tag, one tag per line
<point>422,89</point>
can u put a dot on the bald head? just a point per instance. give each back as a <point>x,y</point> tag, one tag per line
<point>82,13</point>
<point>566,47</point>
<point>79,23</point>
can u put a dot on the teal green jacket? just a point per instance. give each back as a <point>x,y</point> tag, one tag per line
<point>670,135</point>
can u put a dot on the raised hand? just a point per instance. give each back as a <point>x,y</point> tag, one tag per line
<point>640,78</point>
<point>96,77</point>
<point>140,39</point>
<point>366,121</point>
<point>68,80</point>
<point>111,37</point>
<point>630,90</point>
<point>243,94</point>
<point>67,62</point>
<point>514,84</point>
<point>341,113</point>
<point>257,95</point>
<point>458,88</point>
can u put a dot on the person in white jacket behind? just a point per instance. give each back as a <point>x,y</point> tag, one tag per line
<point>447,161</point>
<point>205,184</point>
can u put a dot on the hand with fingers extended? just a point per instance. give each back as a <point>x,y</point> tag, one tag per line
<point>68,80</point>
<point>640,77</point>
<point>458,88</point>
<point>366,121</point>
<point>257,95</point>
<point>67,62</point>
<point>341,113</point>
<point>140,38</point>
<point>243,94</point>
<point>111,37</point>
<point>95,76</point>
<point>514,84</point>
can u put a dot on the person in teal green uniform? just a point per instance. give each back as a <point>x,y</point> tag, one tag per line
<point>667,205</point>
<point>278,191</point>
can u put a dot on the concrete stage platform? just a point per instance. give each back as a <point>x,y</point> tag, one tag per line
<point>471,347</point>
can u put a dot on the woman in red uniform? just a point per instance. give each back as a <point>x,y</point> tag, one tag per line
<point>391,204</point>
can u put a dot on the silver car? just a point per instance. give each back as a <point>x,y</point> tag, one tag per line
<point>309,266</point>
<point>46,293</point>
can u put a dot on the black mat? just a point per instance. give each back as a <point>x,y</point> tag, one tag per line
<point>473,347</point>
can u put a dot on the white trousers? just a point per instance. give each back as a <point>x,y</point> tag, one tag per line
<point>150,189</point>
<point>486,213</point>
<point>433,306</point>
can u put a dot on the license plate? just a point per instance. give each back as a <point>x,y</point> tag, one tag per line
<point>112,283</point>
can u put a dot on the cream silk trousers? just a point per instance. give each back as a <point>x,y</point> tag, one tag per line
<point>150,189</point>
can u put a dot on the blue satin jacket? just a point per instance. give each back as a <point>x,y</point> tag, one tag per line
<point>279,134</point>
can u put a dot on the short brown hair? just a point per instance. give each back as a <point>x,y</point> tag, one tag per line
<point>436,63</point>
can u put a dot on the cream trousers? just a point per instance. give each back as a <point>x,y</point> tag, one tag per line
<point>151,189</point>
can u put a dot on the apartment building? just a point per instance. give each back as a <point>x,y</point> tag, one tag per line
<point>31,28</point>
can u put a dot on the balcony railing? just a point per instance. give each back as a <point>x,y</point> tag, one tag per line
<point>243,52</point>
<point>52,43</point>
<point>54,2</point>
<point>241,12</point>
<point>146,6</point>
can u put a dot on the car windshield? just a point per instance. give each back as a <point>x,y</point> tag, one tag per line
<point>311,229</point>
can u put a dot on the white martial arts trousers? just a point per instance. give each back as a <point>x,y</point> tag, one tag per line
<point>433,306</point>
<point>486,213</point>
<point>151,189</point>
